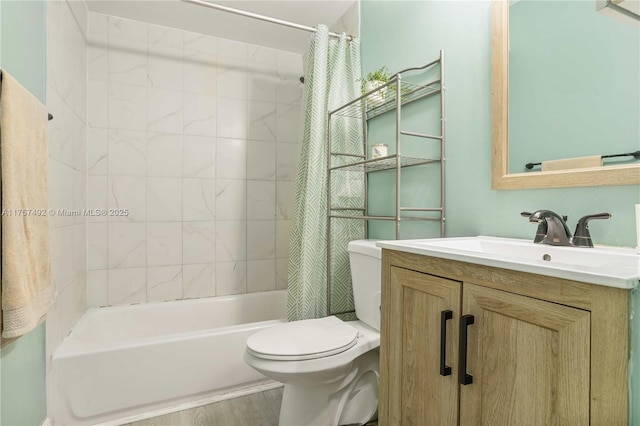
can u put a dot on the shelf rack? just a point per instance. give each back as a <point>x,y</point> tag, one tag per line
<point>399,93</point>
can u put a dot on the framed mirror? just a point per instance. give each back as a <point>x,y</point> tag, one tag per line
<point>504,177</point>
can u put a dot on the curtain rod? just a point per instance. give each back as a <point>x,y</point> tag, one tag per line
<point>260,17</point>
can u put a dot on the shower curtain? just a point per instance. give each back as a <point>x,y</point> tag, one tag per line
<point>333,72</point>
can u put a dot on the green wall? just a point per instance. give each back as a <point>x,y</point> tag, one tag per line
<point>403,34</point>
<point>22,363</point>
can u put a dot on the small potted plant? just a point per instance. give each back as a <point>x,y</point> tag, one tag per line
<point>375,79</point>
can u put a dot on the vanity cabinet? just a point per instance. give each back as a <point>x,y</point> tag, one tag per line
<point>538,350</point>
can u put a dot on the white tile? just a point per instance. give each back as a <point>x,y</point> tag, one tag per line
<point>232,118</point>
<point>231,159</point>
<point>60,131</point>
<point>165,111</point>
<point>287,161</point>
<point>60,191</point>
<point>127,61</point>
<point>233,49</point>
<point>165,36</point>
<point>231,199</point>
<point>200,42</point>
<point>198,242</point>
<point>200,73</point>
<point>97,149</point>
<point>288,124</point>
<point>282,266</point>
<point>261,275</point>
<point>164,243</point>
<point>127,107</point>
<point>61,261</point>
<point>231,241</point>
<point>198,280</point>
<point>261,200</point>
<point>127,152</point>
<point>289,60</point>
<point>261,160</point>
<point>285,192</point>
<point>262,55</point>
<point>165,67</point>
<point>283,231</point>
<point>262,83</point>
<point>98,59</point>
<point>231,278</point>
<point>198,199</point>
<point>164,199</point>
<point>262,121</point>
<point>98,25</point>
<point>128,193</point>
<point>79,250</point>
<point>96,246</point>
<point>199,157</point>
<point>96,288</point>
<point>199,115</point>
<point>126,286</point>
<point>164,283</point>
<point>79,146</point>
<point>232,79</point>
<point>261,239</point>
<point>70,305</point>
<point>97,197</point>
<point>97,103</point>
<point>164,155</point>
<point>79,190</point>
<point>126,245</point>
<point>127,28</point>
<point>289,89</point>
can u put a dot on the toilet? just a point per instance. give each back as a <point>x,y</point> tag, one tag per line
<point>329,367</point>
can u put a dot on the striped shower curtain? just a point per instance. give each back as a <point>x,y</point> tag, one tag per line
<point>333,71</point>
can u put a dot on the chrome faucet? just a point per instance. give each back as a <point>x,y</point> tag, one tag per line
<point>553,229</point>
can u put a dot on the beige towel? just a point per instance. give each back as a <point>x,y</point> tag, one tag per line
<point>26,273</point>
<point>572,163</point>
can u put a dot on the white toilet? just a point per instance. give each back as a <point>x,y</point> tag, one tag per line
<point>329,367</point>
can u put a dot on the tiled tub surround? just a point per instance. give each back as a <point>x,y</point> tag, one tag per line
<point>67,168</point>
<point>198,138</point>
<point>156,358</point>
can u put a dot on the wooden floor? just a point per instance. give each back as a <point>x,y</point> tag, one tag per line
<point>258,409</point>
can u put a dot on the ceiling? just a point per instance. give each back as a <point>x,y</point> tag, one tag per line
<point>191,17</point>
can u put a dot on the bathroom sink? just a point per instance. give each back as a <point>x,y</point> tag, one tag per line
<point>614,267</point>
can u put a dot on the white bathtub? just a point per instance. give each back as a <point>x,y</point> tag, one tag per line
<point>126,362</point>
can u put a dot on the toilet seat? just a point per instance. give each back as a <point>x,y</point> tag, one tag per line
<point>303,340</point>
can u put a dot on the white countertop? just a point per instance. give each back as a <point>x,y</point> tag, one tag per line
<point>607,266</point>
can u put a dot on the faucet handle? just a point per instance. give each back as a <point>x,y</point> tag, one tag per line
<point>541,232</point>
<point>582,236</point>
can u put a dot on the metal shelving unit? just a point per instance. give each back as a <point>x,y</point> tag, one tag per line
<point>365,108</point>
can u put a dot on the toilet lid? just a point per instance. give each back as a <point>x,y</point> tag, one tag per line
<point>300,340</point>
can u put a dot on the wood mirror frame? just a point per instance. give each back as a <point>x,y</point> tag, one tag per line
<point>627,174</point>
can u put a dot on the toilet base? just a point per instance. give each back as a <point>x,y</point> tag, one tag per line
<point>352,400</point>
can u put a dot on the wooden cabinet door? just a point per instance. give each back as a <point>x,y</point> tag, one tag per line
<point>418,394</point>
<point>529,361</point>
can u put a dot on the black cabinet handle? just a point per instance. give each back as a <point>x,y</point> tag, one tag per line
<point>465,322</point>
<point>444,316</point>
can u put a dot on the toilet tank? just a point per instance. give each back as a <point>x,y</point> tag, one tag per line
<point>366,278</point>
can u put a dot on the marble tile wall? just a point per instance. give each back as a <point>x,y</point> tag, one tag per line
<point>197,138</point>
<point>67,168</point>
